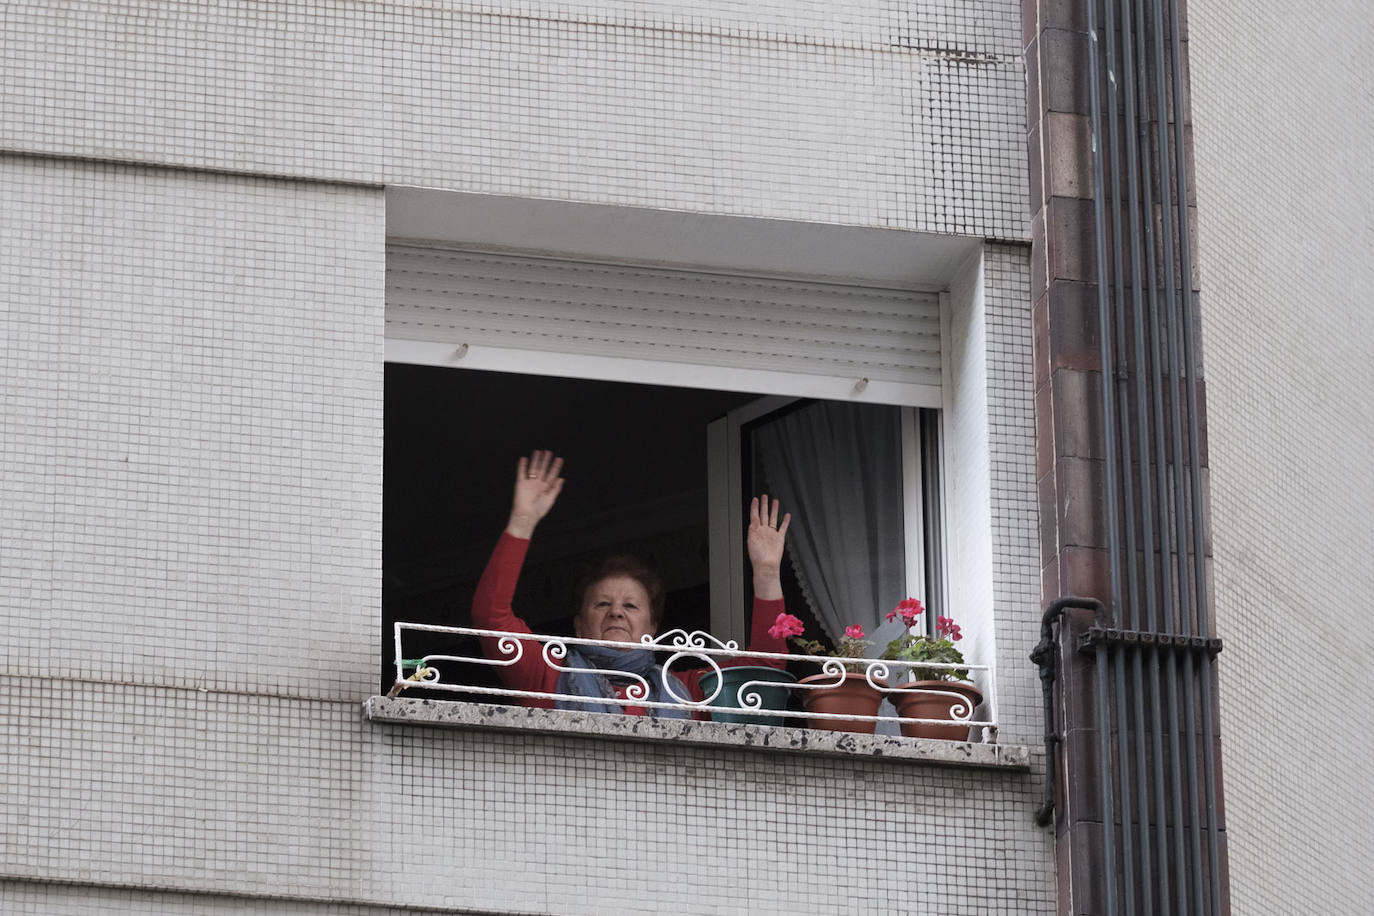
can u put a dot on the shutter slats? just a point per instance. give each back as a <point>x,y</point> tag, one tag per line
<point>531,303</point>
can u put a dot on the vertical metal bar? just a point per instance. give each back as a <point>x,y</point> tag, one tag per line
<point>1110,391</point>
<point>1132,600</point>
<point>1137,306</point>
<point>1104,319</point>
<point>1104,749</point>
<point>1202,621</point>
<point>1113,191</point>
<point>1147,346</point>
<point>1186,621</point>
<point>1137,314</point>
<point>1108,418</point>
<point>1128,73</point>
<point>1167,611</point>
<point>1142,785</point>
<point>1176,786</point>
<point>1170,306</point>
<point>1157,770</point>
<point>1123,751</point>
<point>1190,739</point>
<point>1209,769</point>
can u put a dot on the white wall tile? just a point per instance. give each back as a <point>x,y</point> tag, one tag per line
<point>1285,185</point>
<point>192,427</point>
<point>239,794</point>
<point>907,117</point>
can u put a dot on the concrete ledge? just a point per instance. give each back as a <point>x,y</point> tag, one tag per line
<point>450,714</point>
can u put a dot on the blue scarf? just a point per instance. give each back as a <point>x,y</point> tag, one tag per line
<point>631,661</point>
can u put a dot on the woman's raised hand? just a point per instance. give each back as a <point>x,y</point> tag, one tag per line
<point>766,537</point>
<point>538,481</point>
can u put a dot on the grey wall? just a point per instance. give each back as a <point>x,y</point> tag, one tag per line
<point>190,446</point>
<point>192,427</point>
<point>785,109</point>
<point>1281,99</point>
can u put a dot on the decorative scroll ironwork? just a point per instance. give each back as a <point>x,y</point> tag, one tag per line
<point>702,649</point>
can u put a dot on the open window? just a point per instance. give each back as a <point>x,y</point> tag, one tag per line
<point>663,473</point>
<point>674,395</point>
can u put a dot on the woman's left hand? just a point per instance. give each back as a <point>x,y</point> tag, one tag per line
<point>766,539</point>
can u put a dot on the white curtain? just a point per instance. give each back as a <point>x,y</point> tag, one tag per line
<point>838,469</point>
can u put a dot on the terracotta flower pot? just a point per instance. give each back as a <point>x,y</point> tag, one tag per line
<point>853,697</point>
<point>936,700</point>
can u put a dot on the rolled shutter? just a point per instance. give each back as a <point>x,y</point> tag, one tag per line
<point>683,316</point>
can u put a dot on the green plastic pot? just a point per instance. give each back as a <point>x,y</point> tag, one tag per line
<point>773,697</point>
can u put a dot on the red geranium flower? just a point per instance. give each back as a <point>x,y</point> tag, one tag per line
<point>909,609</point>
<point>945,626</point>
<point>786,625</point>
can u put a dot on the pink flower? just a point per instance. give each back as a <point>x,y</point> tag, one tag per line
<point>945,626</point>
<point>854,632</point>
<point>786,625</point>
<point>909,609</point>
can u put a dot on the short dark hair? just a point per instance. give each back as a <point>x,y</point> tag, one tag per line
<point>623,565</point>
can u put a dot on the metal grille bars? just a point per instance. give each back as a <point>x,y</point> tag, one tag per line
<point>1154,658</point>
<point>683,650</point>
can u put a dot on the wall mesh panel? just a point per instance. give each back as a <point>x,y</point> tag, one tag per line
<point>905,116</point>
<point>1285,191</point>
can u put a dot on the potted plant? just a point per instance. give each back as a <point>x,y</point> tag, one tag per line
<point>745,688</point>
<point>843,688</point>
<point>932,693</point>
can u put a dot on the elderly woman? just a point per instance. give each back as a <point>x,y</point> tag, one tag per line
<point>621,600</point>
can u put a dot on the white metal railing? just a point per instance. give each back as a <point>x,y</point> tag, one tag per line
<point>703,650</point>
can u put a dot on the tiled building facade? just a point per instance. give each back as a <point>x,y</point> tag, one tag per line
<point>197,199</point>
<point>1286,217</point>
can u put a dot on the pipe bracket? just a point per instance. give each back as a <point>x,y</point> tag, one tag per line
<point>1178,643</point>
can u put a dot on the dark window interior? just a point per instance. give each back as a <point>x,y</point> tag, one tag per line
<point>636,483</point>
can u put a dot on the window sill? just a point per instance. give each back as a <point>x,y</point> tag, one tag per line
<point>763,738</point>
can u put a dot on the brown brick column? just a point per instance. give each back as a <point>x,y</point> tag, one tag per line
<point>1069,459</point>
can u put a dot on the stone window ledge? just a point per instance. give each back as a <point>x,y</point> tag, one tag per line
<point>763,738</point>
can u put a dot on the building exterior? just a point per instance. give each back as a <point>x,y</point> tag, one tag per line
<point>1288,333</point>
<point>221,223</point>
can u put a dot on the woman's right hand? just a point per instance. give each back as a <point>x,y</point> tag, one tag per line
<point>538,482</point>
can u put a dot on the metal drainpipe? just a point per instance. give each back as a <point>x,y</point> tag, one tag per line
<point>1163,617</point>
<point>1187,620</point>
<point>1109,446</point>
<point>1048,656</point>
<point>1131,607</point>
<point>1148,342</point>
<point>1110,372</point>
<point>1203,624</point>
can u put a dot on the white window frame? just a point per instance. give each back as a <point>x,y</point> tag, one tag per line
<point>846,254</point>
<point>659,372</point>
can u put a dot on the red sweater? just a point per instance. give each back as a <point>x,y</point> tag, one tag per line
<point>491,610</point>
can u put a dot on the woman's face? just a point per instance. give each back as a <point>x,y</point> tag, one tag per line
<point>616,607</point>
